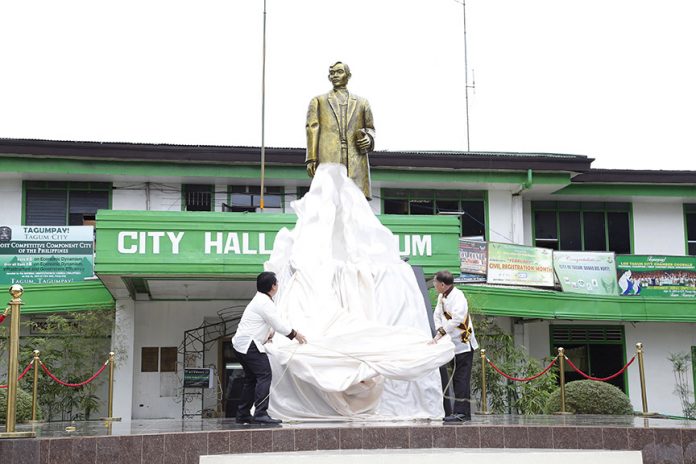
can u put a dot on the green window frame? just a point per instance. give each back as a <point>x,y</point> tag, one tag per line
<point>66,187</point>
<point>564,335</point>
<point>431,202</point>
<point>690,230</point>
<point>572,219</point>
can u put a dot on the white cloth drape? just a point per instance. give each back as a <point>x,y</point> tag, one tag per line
<point>344,286</point>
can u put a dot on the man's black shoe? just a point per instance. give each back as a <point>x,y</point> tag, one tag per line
<point>457,418</point>
<point>244,419</point>
<point>266,419</point>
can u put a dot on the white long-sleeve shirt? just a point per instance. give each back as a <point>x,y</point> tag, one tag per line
<point>259,317</point>
<point>452,315</point>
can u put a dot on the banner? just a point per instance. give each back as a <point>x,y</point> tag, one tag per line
<point>473,257</point>
<point>473,261</point>
<point>519,265</point>
<point>666,276</point>
<point>46,254</point>
<point>586,272</point>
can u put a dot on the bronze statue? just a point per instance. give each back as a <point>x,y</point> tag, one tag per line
<point>340,129</point>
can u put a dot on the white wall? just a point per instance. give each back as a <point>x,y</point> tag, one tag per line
<point>527,216</point>
<point>125,196</point>
<point>500,215</point>
<point>659,340</point>
<point>122,344</point>
<point>658,228</point>
<point>165,197</point>
<point>162,324</point>
<point>11,195</point>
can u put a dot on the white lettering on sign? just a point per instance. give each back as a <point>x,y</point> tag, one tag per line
<point>415,245</point>
<point>239,243</point>
<point>213,244</point>
<point>122,242</point>
<point>131,242</point>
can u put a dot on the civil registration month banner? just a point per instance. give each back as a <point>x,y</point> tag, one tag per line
<point>46,254</point>
<point>660,276</point>
<point>586,272</point>
<point>519,265</point>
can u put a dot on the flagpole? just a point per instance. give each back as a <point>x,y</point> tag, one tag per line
<point>263,110</point>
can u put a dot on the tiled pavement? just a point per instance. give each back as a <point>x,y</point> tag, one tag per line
<point>182,442</point>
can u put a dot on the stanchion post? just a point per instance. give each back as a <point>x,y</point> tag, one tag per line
<point>484,399</point>
<point>35,389</point>
<point>16,291</point>
<point>110,405</point>
<point>641,370</point>
<point>561,367</point>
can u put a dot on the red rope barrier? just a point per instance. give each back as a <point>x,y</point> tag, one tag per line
<point>26,369</point>
<point>73,385</point>
<point>597,379</point>
<point>526,379</point>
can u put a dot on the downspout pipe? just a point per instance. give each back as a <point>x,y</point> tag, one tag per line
<point>527,184</point>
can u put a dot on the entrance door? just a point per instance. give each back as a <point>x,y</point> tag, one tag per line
<point>231,380</point>
<point>597,350</point>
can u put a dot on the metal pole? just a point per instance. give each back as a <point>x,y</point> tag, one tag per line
<point>484,399</point>
<point>110,401</point>
<point>35,390</point>
<point>641,370</point>
<point>466,78</point>
<point>13,352</point>
<point>263,110</point>
<point>561,366</point>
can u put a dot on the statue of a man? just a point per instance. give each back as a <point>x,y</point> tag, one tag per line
<point>340,129</point>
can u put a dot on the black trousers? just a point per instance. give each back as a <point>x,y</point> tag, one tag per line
<point>462,382</point>
<point>257,381</point>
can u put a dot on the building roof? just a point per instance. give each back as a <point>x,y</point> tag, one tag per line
<point>251,155</point>
<point>630,176</point>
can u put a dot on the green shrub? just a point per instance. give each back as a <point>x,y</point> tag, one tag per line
<point>23,406</point>
<point>590,397</point>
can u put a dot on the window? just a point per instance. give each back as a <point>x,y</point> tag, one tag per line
<point>198,197</point>
<point>595,349</point>
<point>301,191</point>
<point>64,203</point>
<point>158,359</point>
<point>582,226</point>
<point>248,197</point>
<point>149,359</point>
<point>168,356</point>
<point>469,205</point>
<point>690,222</point>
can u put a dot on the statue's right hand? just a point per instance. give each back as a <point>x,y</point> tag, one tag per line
<point>311,168</point>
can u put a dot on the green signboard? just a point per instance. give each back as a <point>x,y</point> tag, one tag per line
<point>662,276</point>
<point>591,273</point>
<point>198,377</point>
<point>164,243</point>
<point>46,254</point>
<point>519,265</point>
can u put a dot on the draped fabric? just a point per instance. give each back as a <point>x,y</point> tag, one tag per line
<point>344,286</point>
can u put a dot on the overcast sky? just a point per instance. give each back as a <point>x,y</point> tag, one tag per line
<point>611,79</point>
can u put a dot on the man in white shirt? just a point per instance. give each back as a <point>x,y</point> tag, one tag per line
<point>259,323</point>
<point>452,319</point>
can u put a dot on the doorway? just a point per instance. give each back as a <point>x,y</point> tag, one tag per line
<point>599,351</point>
<point>232,376</point>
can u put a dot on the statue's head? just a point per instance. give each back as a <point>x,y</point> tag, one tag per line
<point>339,73</point>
